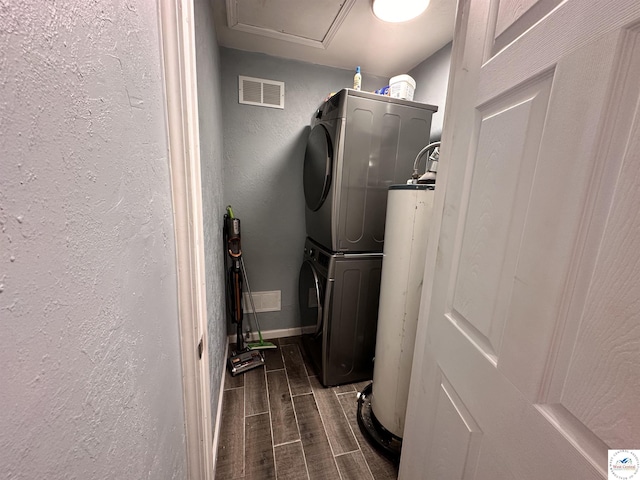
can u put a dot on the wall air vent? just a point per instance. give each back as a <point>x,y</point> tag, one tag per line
<point>260,92</point>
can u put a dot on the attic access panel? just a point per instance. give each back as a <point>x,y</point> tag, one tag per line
<point>309,23</point>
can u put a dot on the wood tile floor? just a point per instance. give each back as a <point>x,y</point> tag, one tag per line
<point>279,422</point>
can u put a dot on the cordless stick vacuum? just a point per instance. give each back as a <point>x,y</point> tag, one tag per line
<point>242,359</point>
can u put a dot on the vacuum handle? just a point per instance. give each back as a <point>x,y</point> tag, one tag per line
<point>233,236</point>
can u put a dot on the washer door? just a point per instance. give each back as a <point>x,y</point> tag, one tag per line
<point>310,295</point>
<point>318,163</point>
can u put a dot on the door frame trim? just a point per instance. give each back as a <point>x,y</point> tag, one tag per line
<point>177,32</point>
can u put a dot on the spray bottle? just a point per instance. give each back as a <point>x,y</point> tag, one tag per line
<point>357,79</point>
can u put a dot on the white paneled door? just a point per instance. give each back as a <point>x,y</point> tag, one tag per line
<point>527,361</point>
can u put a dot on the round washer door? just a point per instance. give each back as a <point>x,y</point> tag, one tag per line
<point>310,295</point>
<point>318,162</point>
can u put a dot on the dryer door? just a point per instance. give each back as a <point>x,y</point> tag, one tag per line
<point>318,162</point>
<point>311,295</point>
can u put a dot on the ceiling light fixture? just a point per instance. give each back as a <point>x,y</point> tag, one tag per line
<point>396,11</point>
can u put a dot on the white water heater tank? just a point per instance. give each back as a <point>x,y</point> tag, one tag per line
<point>409,210</point>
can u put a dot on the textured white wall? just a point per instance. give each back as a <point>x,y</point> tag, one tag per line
<point>432,78</point>
<point>211,155</point>
<point>90,384</point>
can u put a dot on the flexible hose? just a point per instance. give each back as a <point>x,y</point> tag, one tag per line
<point>420,153</point>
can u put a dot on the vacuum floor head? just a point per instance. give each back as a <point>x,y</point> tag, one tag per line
<point>244,361</point>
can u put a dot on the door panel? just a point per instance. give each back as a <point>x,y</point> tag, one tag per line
<point>591,391</point>
<point>514,17</point>
<point>496,201</point>
<point>600,344</point>
<point>457,432</point>
<point>509,11</point>
<point>487,467</point>
<point>551,235</point>
<point>529,326</point>
<point>564,31</point>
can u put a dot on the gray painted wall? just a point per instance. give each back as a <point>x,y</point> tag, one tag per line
<point>263,159</point>
<point>90,379</point>
<point>211,155</point>
<point>432,78</point>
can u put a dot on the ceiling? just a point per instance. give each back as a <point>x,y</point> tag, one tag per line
<point>336,33</point>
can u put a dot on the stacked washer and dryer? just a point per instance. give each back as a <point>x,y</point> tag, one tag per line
<point>359,145</point>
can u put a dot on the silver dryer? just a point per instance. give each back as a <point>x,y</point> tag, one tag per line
<point>360,144</point>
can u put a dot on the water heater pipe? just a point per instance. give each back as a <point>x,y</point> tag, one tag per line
<point>433,158</point>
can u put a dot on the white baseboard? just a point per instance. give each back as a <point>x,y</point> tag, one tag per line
<point>216,431</point>
<point>282,332</point>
